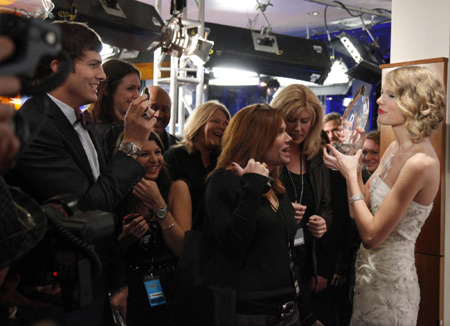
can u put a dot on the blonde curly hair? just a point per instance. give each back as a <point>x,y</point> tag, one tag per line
<point>420,96</point>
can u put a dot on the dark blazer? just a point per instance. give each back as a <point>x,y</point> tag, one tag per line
<point>320,183</point>
<point>54,162</point>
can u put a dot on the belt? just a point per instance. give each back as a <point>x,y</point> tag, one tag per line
<point>283,311</point>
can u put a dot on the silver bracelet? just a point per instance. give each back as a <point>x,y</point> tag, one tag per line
<point>355,198</point>
<point>170,226</point>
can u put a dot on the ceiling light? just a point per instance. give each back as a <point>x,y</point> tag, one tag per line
<point>109,51</point>
<point>313,13</point>
<point>233,77</point>
<point>351,49</point>
<point>337,74</point>
<point>221,72</point>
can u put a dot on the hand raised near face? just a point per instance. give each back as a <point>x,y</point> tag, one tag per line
<point>346,164</point>
<point>251,167</point>
<point>139,121</point>
<point>148,192</point>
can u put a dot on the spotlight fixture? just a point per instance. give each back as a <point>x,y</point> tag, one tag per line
<point>366,58</point>
<point>176,42</point>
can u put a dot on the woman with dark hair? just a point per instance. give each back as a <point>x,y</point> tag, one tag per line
<point>252,223</point>
<point>116,92</point>
<point>155,217</point>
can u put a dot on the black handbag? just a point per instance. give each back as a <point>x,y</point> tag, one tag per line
<point>205,281</point>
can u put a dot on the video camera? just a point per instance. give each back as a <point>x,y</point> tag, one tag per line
<point>66,254</point>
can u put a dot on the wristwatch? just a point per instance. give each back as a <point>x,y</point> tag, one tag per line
<point>162,212</point>
<point>129,148</point>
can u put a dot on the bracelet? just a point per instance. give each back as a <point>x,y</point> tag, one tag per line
<point>170,226</point>
<point>355,198</point>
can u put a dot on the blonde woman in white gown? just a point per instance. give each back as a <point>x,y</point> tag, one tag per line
<point>392,206</point>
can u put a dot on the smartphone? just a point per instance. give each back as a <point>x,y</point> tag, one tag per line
<point>127,219</point>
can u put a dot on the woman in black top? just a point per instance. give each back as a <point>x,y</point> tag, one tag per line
<point>252,222</point>
<point>196,155</point>
<point>307,182</point>
<point>156,216</point>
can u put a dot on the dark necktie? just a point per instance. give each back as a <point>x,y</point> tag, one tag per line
<point>84,117</point>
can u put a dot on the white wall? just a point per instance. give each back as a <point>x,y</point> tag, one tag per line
<point>421,30</point>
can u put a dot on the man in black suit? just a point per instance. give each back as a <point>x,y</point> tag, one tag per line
<point>64,156</point>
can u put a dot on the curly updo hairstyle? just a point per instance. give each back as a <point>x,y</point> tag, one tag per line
<point>420,96</point>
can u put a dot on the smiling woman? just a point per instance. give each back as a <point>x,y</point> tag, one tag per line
<point>153,236</point>
<point>115,94</point>
<point>196,155</point>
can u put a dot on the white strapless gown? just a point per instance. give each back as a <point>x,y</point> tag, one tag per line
<point>387,289</point>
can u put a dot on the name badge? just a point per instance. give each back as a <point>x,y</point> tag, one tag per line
<point>299,238</point>
<point>154,292</point>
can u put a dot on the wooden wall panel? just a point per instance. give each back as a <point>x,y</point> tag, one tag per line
<point>429,270</point>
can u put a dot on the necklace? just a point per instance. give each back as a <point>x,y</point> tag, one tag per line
<point>298,195</point>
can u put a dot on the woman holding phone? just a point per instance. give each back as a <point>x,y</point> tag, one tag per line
<point>157,214</point>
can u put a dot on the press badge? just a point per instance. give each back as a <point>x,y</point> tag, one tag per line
<point>299,238</point>
<point>154,291</point>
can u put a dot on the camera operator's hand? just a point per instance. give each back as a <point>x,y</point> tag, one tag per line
<point>9,85</point>
<point>9,143</point>
<point>10,297</point>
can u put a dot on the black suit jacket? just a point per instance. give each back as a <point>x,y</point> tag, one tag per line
<point>54,162</point>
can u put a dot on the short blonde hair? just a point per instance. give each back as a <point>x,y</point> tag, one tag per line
<point>420,96</point>
<point>296,98</point>
<point>197,120</point>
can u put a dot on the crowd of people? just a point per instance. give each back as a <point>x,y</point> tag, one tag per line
<point>319,238</point>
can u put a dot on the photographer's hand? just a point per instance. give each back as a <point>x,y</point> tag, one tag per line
<point>10,297</point>
<point>9,143</point>
<point>9,85</point>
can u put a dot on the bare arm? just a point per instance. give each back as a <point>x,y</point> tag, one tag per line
<point>413,178</point>
<point>180,209</point>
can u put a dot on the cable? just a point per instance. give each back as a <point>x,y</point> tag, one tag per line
<point>348,11</point>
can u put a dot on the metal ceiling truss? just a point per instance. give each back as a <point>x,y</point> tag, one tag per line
<point>181,71</point>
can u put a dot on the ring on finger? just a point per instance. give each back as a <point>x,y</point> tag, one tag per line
<point>264,164</point>
<point>146,116</point>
